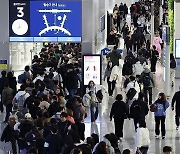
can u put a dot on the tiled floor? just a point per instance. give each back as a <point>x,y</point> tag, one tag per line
<point>103,125</point>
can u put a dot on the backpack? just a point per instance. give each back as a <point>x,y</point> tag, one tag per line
<point>136,112</point>
<point>99,96</point>
<point>131,93</point>
<point>153,108</point>
<point>146,80</point>
<point>21,78</point>
<point>20,101</point>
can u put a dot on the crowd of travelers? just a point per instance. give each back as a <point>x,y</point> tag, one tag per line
<point>47,114</point>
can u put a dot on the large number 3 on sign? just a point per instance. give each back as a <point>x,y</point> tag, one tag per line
<point>20,12</point>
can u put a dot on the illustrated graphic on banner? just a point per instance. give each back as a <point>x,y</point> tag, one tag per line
<point>56,18</point>
<point>92,69</point>
<point>3,64</point>
<point>45,20</point>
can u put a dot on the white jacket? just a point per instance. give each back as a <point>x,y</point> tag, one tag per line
<point>142,137</point>
<point>116,74</point>
<point>110,148</point>
<point>135,86</point>
<point>138,68</point>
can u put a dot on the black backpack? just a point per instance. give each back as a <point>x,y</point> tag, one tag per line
<point>146,80</point>
<point>99,96</point>
<point>131,92</point>
<point>136,112</point>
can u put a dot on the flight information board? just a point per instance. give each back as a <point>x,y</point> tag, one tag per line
<point>48,20</point>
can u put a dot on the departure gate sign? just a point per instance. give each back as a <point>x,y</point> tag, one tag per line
<point>48,20</point>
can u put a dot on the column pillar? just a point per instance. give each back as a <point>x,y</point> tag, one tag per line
<point>4,31</point>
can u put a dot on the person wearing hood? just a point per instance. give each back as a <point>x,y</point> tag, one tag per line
<point>107,140</point>
<point>138,68</point>
<point>148,83</point>
<point>114,56</point>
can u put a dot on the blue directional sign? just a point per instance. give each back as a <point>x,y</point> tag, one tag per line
<point>53,20</point>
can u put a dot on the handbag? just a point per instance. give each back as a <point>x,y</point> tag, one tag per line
<point>153,108</point>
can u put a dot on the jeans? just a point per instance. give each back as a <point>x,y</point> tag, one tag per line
<point>119,122</point>
<point>94,112</point>
<point>8,110</point>
<point>158,120</point>
<point>111,86</point>
<point>146,91</point>
<point>72,92</point>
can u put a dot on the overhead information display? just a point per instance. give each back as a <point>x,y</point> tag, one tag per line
<point>48,20</point>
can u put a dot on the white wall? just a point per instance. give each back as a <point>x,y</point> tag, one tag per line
<point>93,40</point>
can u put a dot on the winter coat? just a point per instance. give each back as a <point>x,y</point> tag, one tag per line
<point>114,57</point>
<point>119,110</point>
<point>116,74</point>
<point>53,144</point>
<point>143,109</point>
<point>8,134</point>
<point>109,146</point>
<point>2,81</point>
<point>176,98</point>
<point>12,84</point>
<point>72,80</point>
<point>137,68</point>
<point>142,137</point>
<point>7,96</point>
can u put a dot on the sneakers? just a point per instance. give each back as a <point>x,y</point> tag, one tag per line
<point>163,137</point>
<point>157,136</point>
<point>177,128</point>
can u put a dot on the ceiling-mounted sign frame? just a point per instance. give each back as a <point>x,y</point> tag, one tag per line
<point>45,20</point>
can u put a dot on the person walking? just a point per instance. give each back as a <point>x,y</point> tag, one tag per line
<point>157,42</point>
<point>111,85</point>
<point>153,58</point>
<point>161,105</point>
<point>119,112</point>
<point>7,97</point>
<point>132,90</point>
<point>142,139</point>
<point>148,83</point>
<point>3,80</point>
<point>138,110</point>
<point>172,69</point>
<point>176,103</point>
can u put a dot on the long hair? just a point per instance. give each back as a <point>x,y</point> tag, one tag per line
<point>90,83</point>
<point>102,148</point>
<point>108,64</point>
<point>162,99</point>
